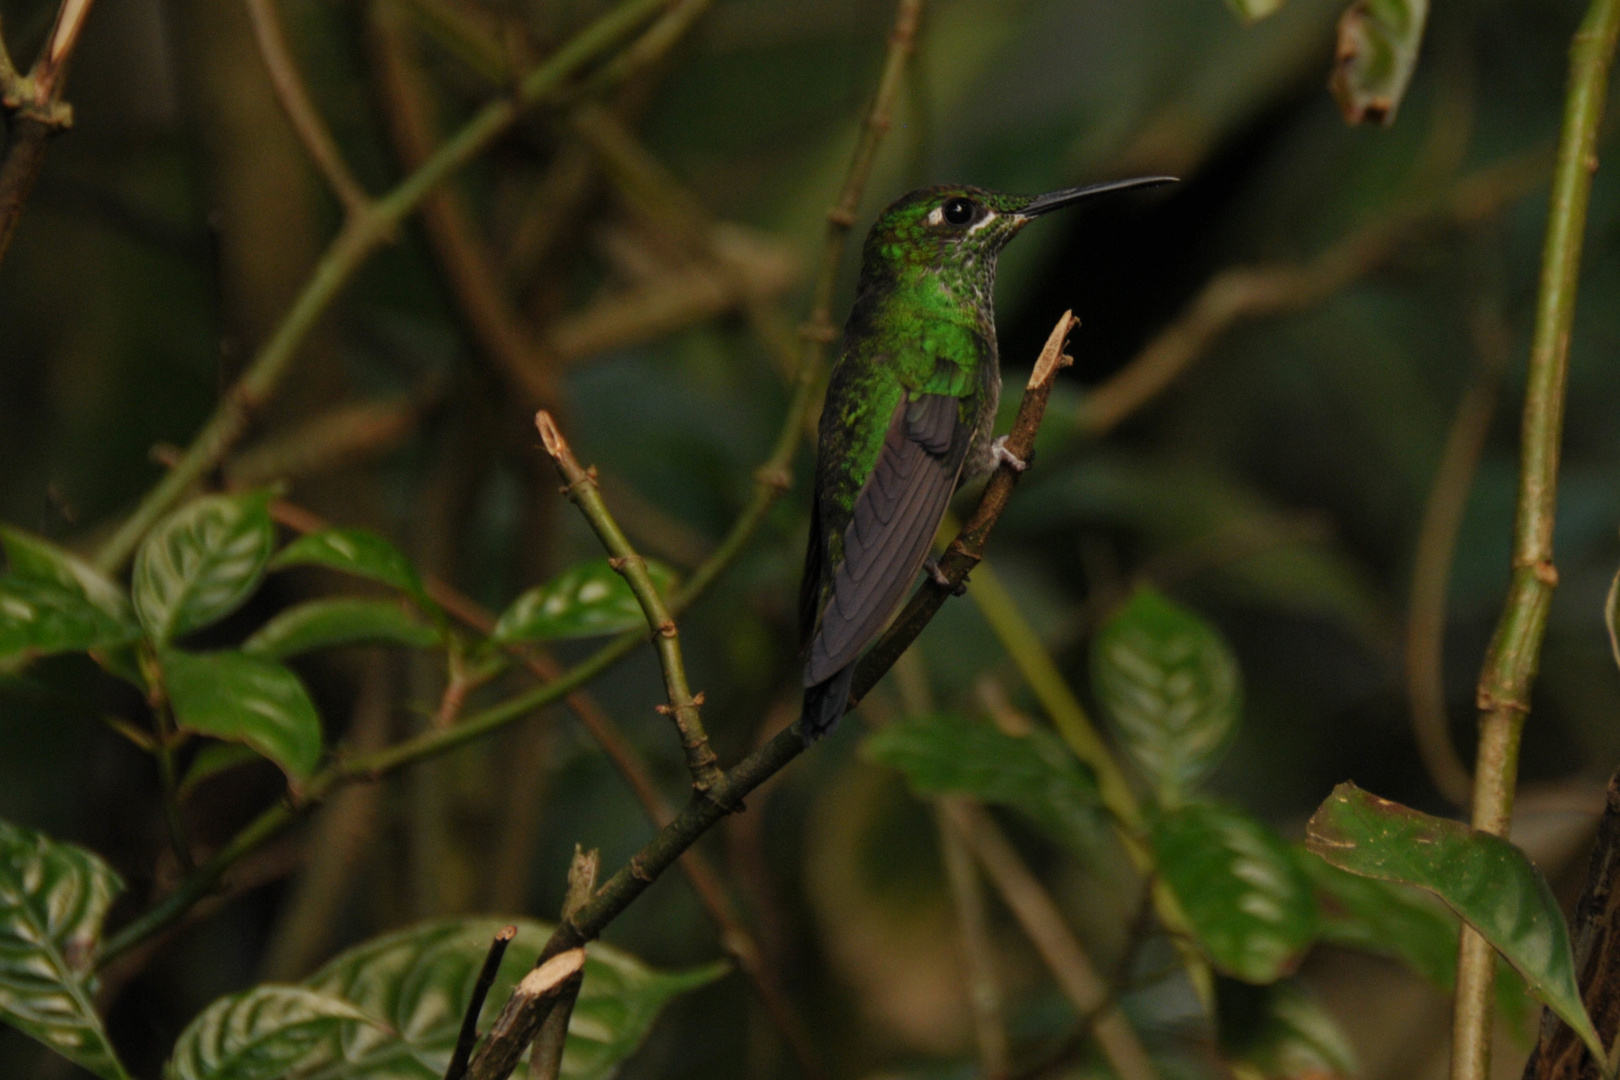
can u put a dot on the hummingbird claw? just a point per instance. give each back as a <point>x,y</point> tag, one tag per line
<point>1003,456</point>
<point>939,577</point>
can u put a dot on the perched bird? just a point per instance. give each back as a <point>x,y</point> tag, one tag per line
<point>910,404</point>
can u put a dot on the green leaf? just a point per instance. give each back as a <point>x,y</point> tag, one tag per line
<point>1278,1032</point>
<point>201,562</point>
<point>1251,10</point>
<point>320,624</point>
<point>1378,48</point>
<point>1489,883</point>
<point>246,699</point>
<point>1171,687</point>
<point>1034,773</point>
<point>354,551</point>
<point>1245,897</point>
<point>52,602</point>
<point>265,1033</point>
<point>588,600</point>
<point>420,979</point>
<point>214,759</point>
<point>53,898</point>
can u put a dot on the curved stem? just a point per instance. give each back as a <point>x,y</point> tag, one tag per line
<point>1510,663</point>
<point>301,112</point>
<point>1431,561</point>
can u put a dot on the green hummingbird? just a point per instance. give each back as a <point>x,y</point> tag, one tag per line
<point>910,405</point>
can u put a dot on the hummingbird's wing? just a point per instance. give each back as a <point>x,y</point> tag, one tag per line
<point>895,517</point>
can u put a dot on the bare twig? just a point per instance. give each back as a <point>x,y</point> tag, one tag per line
<point>538,993</point>
<point>1038,915</point>
<point>1510,663</point>
<point>301,112</point>
<point>468,1035</point>
<point>35,112</point>
<point>545,1059</point>
<point>683,704</point>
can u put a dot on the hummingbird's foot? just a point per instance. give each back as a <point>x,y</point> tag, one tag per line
<point>1003,456</point>
<point>939,577</point>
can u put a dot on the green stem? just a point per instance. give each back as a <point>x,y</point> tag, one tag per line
<point>1041,674</point>
<point>1510,663</point>
<point>683,706</point>
<point>361,235</point>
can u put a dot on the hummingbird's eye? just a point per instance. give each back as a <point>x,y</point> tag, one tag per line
<point>959,211</point>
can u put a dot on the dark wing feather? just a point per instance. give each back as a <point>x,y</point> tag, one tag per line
<point>894,521</point>
<point>815,556</point>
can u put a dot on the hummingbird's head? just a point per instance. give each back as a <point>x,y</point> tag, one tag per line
<point>957,231</point>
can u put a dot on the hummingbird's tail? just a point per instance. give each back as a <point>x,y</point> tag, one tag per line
<point>824,703</point>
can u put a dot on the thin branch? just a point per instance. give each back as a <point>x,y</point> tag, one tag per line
<point>480,293</point>
<point>301,112</point>
<point>35,112</point>
<point>540,991</point>
<point>1432,555</point>
<point>545,1059</point>
<point>468,1035</point>
<point>1510,662</point>
<point>52,63</point>
<point>359,237</point>
<point>1039,916</point>
<point>332,440</point>
<point>1241,294</point>
<point>978,949</point>
<point>683,704</point>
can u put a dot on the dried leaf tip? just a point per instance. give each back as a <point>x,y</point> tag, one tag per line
<point>554,442</point>
<point>1052,356</point>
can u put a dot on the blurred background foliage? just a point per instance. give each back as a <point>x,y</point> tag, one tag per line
<point>1277,485</point>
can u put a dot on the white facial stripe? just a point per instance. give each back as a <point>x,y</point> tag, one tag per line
<point>989,216</point>
<point>936,216</point>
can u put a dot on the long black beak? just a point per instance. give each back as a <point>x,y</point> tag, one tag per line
<point>1054,200</point>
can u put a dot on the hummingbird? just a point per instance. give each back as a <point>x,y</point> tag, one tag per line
<point>909,410</point>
